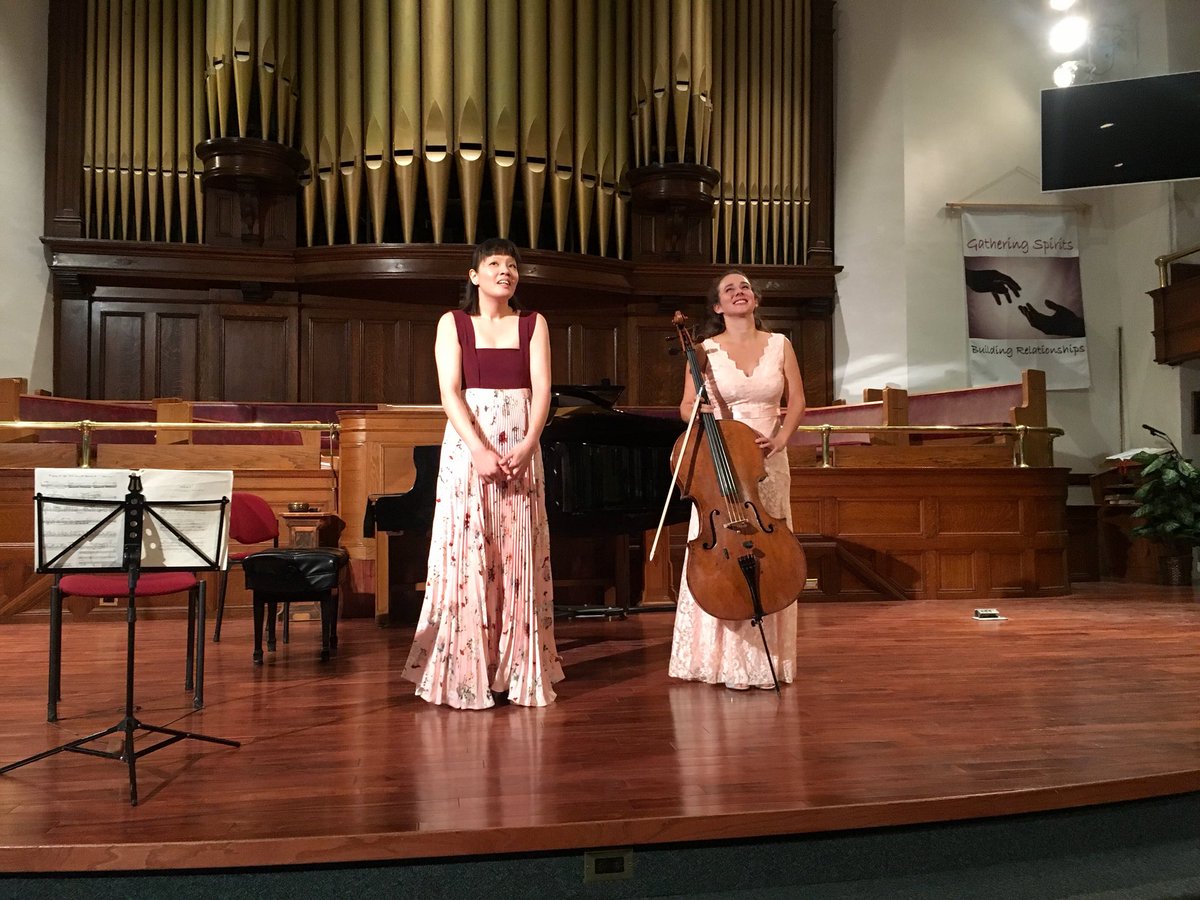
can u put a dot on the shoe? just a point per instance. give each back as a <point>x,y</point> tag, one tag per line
<point>737,686</point>
<point>765,687</point>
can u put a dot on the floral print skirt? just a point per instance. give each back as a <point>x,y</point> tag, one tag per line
<point>487,621</point>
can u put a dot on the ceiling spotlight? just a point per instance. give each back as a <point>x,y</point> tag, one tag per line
<point>1061,5</point>
<point>1073,71</point>
<point>1069,34</point>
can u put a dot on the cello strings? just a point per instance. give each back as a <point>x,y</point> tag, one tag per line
<point>724,470</point>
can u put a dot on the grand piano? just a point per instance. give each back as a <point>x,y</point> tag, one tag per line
<point>607,476</point>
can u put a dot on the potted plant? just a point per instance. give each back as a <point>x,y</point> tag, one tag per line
<point>1168,494</point>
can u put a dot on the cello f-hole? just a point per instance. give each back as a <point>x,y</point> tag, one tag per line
<point>767,527</point>
<point>712,530</point>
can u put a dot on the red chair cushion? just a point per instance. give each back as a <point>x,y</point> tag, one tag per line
<point>149,584</point>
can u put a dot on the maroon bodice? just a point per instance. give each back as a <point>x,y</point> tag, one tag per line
<point>490,367</point>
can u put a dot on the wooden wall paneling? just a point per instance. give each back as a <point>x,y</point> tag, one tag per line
<point>594,325</point>
<point>330,357</point>
<point>256,352</point>
<point>122,356</point>
<point>146,343</point>
<point>880,515</point>
<point>367,351</point>
<point>601,352</point>
<point>655,373</point>
<point>176,357</point>
<point>941,533</point>
<point>389,354</point>
<point>560,349</point>
<point>956,571</point>
<point>814,350</point>
<point>422,371</point>
<point>72,340</point>
<point>386,355</point>
<point>903,569</point>
<point>960,515</point>
<point>1051,568</point>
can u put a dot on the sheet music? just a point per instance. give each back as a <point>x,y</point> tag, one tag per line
<point>204,524</point>
<point>62,524</point>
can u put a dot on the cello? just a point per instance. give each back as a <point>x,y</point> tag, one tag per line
<point>744,563</point>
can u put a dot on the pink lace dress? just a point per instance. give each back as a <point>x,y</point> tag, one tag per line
<point>487,621</point>
<point>714,650</point>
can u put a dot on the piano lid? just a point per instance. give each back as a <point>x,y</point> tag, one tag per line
<point>605,394</point>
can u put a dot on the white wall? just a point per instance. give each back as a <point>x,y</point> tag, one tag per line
<point>954,116</point>
<point>27,332</point>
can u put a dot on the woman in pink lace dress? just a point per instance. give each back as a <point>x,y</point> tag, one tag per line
<point>486,631</point>
<point>749,372</point>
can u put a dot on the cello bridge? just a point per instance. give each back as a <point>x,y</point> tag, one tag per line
<point>741,526</point>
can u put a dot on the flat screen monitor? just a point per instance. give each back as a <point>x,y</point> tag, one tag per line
<point>1121,132</point>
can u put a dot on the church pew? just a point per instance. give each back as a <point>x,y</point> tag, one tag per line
<point>1011,404</point>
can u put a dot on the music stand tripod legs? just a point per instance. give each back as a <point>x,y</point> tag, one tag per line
<point>130,725</point>
<point>135,508</point>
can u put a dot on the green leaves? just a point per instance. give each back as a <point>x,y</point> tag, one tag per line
<point>1169,497</point>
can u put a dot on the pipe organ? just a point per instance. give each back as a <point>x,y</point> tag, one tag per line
<point>446,121</point>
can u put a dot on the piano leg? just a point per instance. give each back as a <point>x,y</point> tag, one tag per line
<point>383,567</point>
<point>400,563</point>
<point>617,595</point>
<point>621,570</point>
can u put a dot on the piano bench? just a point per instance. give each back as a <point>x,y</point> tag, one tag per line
<point>290,575</point>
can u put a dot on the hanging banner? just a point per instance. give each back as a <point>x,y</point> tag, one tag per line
<point>1024,297</point>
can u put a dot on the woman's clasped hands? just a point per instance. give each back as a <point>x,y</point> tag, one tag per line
<point>496,469</point>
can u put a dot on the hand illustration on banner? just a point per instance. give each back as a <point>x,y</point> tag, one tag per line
<point>1062,322</point>
<point>1031,255</point>
<point>991,281</point>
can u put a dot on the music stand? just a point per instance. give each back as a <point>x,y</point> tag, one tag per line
<point>128,535</point>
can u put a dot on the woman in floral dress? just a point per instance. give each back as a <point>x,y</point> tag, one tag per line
<point>748,372</point>
<point>486,631</point>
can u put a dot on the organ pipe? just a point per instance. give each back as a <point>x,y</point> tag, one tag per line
<point>349,127</point>
<point>586,78</point>
<point>503,84</point>
<point>562,153</point>
<point>470,101</point>
<point>534,94</point>
<point>404,108</point>
<point>376,108</point>
<point>437,100</point>
<point>89,121</point>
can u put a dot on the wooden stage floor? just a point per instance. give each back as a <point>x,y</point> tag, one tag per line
<point>903,713</point>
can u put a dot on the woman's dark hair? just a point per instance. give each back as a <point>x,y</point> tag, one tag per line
<point>714,322</point>
<point>490,247</point>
